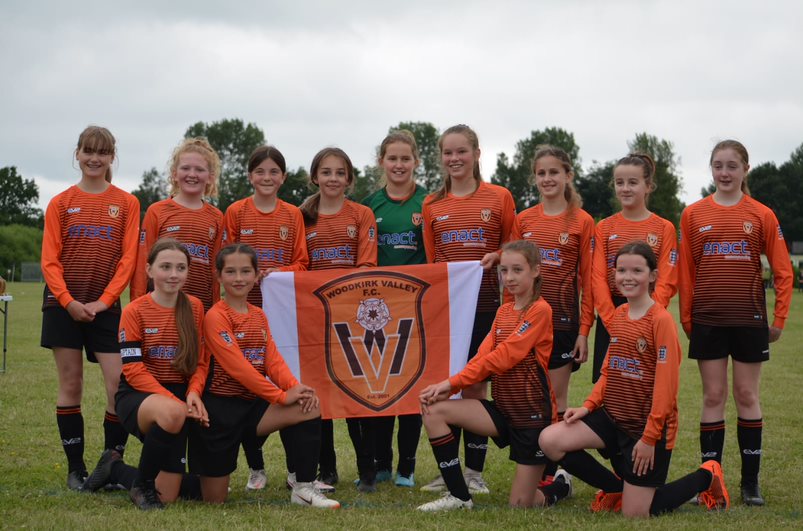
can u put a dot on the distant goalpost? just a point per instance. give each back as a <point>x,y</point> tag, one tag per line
<point>31,272</point>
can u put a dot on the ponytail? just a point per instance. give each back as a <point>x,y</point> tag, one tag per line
<point>186,360</point>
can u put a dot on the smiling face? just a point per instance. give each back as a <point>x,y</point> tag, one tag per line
<point>399,162</point>
<point>551,177</point>
<point>458,156</point>
<point>633,275</point>
<point>517,274</point>
<point>94,162</point>
<point>169,271</point>
<point>729,170</point>
<point>630,186</point>
<point>237,276</point>
<point>267,178</point>
<point>192,175</point>
<point>332,177</point>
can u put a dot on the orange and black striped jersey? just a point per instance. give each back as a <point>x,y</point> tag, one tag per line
<point>89,246</point>
<point>201,232</point>
<point>344,240</point>
<point>277,237</point>
<point>639,383</point>
<point>149,343</point>
<point>516,353</point>
<point>243,353</point>
<point>468,227</point>
<point>720,264</point>
<point>612,233</point>
<point>565,242</point>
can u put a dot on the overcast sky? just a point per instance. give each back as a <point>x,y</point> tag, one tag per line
<point>318,73</point>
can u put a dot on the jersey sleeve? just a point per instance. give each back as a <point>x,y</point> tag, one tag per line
<point>584,263</point>
<point>603,301</point>
<point>128,258</point>
<point>427,232</point>
<point>667,375</point>
<point>686,272</point>
<point>216,247</point>
<point>136,373</point>
<point>667,284</point>
<point>52,268</point>
<point>299,261</point>
<point>366,239</point>
<point>221,342</point>
<point>509,221</point>
<point>147,237</point>
<point>534,332</point>
<point>231,223</point>
<point>198,379</point>
<point>778,256</point>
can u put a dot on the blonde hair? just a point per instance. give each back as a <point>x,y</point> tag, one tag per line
<point>402,136</point>
<point>740,150</point>
<point>201,146</point>
<point>474,140</point>
<point>97,139</point>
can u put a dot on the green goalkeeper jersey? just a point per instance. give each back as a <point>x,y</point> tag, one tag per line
<point>399,224</point>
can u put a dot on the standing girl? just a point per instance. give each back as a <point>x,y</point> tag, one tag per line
<point>631,413</point>
<point>466,219</point>
<point>723,308</point>
<point>397,207</point>
<point>88,256</point>
<point>164,372</point>
<point>241,399</point>
<point>275,230</point>
<point>187,217</point>
<point>515,354</point>
<point>633,181</point>
<point>340,234</point>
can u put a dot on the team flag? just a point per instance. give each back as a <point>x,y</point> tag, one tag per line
<point>368,340</point>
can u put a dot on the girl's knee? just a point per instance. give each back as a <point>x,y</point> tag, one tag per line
<point>171,419</point>
<point>715,396</point>
<point>745,396</point>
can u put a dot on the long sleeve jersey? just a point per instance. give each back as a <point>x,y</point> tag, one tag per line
<point>344,240</point>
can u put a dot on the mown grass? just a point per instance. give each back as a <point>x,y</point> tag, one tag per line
<point>32,464</point>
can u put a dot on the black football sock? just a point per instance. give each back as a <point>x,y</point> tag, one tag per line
<point>383,434</point>
<point>156,445</point>
<point>672,495</point>
<point>712,440</point>
<point>71,429</point>
<point>123,474</point>
<point>748,432</point>
<point>114,435</point>
<point>328,459</point>
<point>289,460</point>
<point>583,466</point>
<point>446,449</point>
<point>305,439</point>
<point>475,447</point>
<point>407,438</point>
<point>190,487</point>
<point>555,491</point>
<point>252,448</point>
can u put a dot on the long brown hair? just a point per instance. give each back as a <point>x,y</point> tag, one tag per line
<point>570,192</point>
<point>98,139</point>
<point>474,140</point>
<point>740,150</point>
<point>186,358</point>
<point>309,208</point>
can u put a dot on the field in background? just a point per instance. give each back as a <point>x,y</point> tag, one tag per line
<point>33,467</point>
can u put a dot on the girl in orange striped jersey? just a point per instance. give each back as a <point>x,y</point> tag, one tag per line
<point>340,234</point>
<point>241,399</point>
<point>164,372</point>
<point>723,308</point>
<point>88,252</point>
<point>633,181</point>
<point>466,219</point>
<point>275,230</point>
<point>516,355</point>
<point>631,413</point>
<point>186,216</point>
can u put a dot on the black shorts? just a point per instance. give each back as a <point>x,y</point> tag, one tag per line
<point>126,404</point>
<point>743,343</point>
<point>214,450</point>
<point>602,340</point>
<point>619,449</point>
<point>562,348</point>
<point>60,330</point>
<point>523,442</point>
<point>483,321</point>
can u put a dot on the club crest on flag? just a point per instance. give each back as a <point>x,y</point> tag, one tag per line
<point>485,214</point>
<point>748,227</point>
<point>374,343</point>
<point>114,211</point>
<point>418,218</point>
<point>652,239</point>
<point>284,232</point>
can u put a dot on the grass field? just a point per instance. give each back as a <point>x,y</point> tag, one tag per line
<point>33,468</point>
